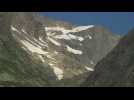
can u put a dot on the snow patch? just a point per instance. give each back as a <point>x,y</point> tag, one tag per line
<point>65,31</point>
<point>24,48</point>
<point>42,41</point>
<point>40,38</point>
<point>73,50</point>
<point>54,42</point>
<point>89,69</point>
<point>50,57</point>
<point>51,64</point>
<point>69,37</point>
<point>33,48</point>
<point>56,52</point>
<point>64,36</point>
<point>76,37</point>
<point>42,59</point>
<point>81,28</point>
<point>23,31</point>
<point>15,29</point>
<point>58,72</point>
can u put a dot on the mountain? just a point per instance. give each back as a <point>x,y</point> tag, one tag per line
<point>117,68</point>
<point>39,51</point>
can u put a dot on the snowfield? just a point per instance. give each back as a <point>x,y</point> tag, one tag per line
<point>69,37</point>
<point>65,31</point>
<point>34,45</point>
<point>54,41</point>
<point>58,72</point>
<point>15,29</point>
<point>89,69</point>
<point>73,50</point>
<point>33,48</point>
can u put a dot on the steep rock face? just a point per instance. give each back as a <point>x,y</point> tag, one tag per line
<point>117,68</point>
<point>16,66</point>
<point>44,52</point>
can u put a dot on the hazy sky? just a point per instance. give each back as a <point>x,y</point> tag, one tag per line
<point>117,22</point>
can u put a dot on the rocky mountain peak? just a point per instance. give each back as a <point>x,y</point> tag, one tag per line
<point>51,51</point>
